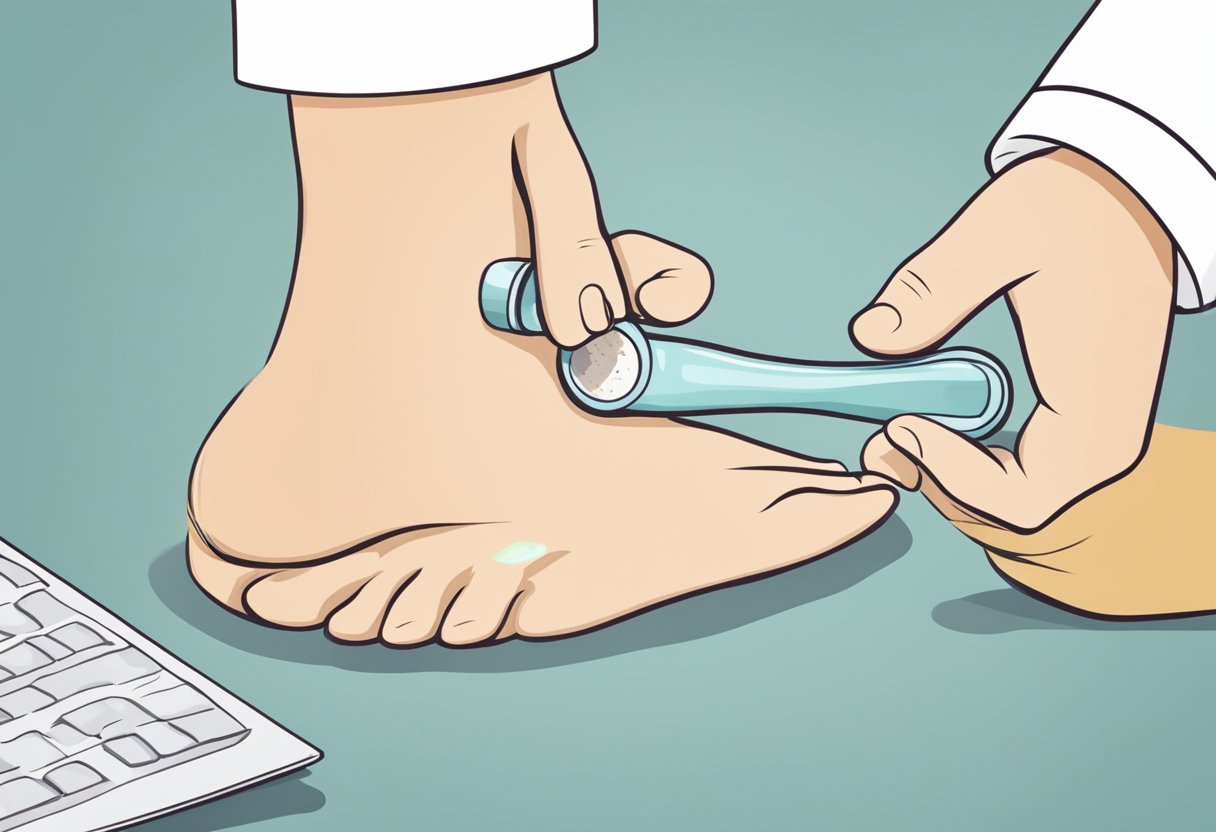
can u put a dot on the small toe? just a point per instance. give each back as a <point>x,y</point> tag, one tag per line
<point>479,612</point>
<point>415,615</point>
<point>359,620</point>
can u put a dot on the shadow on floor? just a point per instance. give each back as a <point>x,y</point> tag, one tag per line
<point>693,618</point>
<point>1008,610</point>
<point>286,796</point>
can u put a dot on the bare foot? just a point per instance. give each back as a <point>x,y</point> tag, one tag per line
<point>398,471</point>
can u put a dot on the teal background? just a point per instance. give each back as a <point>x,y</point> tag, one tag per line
<point>147,217</point>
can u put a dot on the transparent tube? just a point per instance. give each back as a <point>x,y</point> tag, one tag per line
<point>632,371</point>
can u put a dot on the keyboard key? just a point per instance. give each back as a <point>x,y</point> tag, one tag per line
<point>24,701</point>
<point>30,751</point>
<point>209,725</point>
<point>23,658</point>
<point>131,750</point>
<point>182,700</point>
<point>16,574</point>
<point>164,738</point>
<point>14,622</point>
<point>67,737</point>
<point>95,717</point>
<point>73,777</point>
<point>51,647</point>
<point>17,796</point>
<point>45,608</point>
<point>77,637</point>
<point>109,669</point>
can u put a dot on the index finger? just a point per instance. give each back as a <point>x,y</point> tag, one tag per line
<point>580,286</point>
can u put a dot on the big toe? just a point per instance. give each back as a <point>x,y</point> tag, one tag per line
<point>791,516</point>
<point>816,519</point>
<point>305,596</point>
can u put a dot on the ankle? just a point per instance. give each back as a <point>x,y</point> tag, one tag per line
<point>401,218</point>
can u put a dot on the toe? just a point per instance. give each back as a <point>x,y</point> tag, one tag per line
<point>306,596</point>
<point>819,520</point>
<point>222,579</point>
<point>480,610</point>
<point>832,484</point>
<point>359,620</point>
<point>414,616</point>
<point>795,465</point>
<point>757,456</point>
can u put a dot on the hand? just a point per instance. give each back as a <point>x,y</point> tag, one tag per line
<point>586,280</point>
<point>1087,273</point>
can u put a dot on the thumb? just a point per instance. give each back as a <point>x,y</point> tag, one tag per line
<point>981,253</point>
<point>667,284</point>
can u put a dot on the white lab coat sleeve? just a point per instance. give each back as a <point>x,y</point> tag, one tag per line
<point>1134,88</point>
<point>386,47</point>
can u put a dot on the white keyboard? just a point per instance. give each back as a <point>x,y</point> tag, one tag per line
<point>101,728</point>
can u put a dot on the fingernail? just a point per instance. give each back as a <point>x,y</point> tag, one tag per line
<point>597,315</point>
<point>906,440</point>
<point>895,465</point>
<point>879,319</point>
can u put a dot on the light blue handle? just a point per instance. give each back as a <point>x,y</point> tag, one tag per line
<point>963,389</point>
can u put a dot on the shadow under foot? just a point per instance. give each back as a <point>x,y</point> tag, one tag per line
<point>692,618</point>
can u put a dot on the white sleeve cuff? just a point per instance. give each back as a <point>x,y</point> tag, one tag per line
<point>386,47</point>
<point>1167,174</point>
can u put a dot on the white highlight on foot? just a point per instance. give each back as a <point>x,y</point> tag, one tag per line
<point>521,552</point>
<point>606,368</point>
